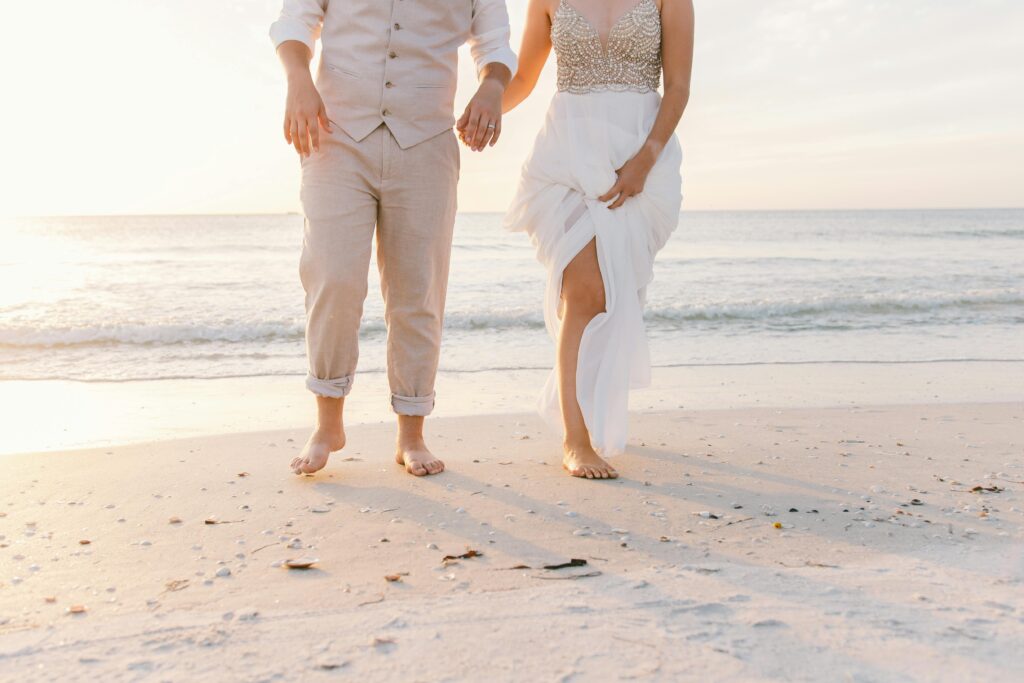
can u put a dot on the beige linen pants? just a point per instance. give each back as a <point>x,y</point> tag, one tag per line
<point>350,190</point>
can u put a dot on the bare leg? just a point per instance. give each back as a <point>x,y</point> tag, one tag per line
<point>329,436</point>
<point>412,452</point>
<point>582,300</point>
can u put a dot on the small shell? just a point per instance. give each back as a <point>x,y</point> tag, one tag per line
<point>174,520</point>
<point>76,609</point>
<point>84,541</point>
<point>301,562</point>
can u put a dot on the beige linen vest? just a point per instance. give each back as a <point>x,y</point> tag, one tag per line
<point>392,61</point>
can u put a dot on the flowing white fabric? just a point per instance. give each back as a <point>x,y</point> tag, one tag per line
<point>585,139</point>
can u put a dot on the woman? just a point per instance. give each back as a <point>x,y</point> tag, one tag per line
<point>599,196</point>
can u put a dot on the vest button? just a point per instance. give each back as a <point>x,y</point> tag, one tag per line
<point>392,54</point>
<point>389,84</point>
<point>398,27</point>
<point>385,112</point>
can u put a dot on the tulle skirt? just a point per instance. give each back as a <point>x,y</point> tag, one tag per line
<point>585,139</point>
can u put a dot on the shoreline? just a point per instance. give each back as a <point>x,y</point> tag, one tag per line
<point>51,415</point>
<point>687,576</point>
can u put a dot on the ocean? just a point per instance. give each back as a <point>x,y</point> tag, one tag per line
<point>151,297</point>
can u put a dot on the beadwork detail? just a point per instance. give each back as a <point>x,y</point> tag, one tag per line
<point>630,61</point>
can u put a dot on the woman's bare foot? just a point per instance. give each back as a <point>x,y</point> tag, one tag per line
<point>417,459</point>
<point>321,444</point>
<point>584,462</point>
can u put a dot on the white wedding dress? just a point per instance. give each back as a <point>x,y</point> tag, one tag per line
<point>606,103</point>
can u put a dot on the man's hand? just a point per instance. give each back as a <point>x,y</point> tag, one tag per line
<point>631,177</point>
<point>304,114</point>
<point>480,125</point>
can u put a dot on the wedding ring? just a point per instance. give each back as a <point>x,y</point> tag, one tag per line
<point>491,125</point>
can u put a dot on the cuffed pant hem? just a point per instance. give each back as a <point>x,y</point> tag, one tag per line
<point>329,388</point>
<point>420,406</point>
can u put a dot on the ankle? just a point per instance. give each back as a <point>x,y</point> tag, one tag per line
<point>576,445</point>
<point>411,442</point>
<point>328,432</point>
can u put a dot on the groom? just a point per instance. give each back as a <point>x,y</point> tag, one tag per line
<point>374,134</point>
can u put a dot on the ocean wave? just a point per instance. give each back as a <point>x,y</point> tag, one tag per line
<point>829,307</point>
<point>230,333</point>
<point>825,311</point>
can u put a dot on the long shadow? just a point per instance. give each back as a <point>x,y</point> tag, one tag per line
<point>656,549</point>
<point>729,469</point>
<point>662,606</point>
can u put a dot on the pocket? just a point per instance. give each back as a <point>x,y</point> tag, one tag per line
<point>455,151</point>
<point>343,72</point>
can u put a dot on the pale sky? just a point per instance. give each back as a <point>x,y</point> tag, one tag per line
<point>174,106</point>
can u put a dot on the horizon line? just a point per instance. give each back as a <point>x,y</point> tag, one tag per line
<point>484,213</point>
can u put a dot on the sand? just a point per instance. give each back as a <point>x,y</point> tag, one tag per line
<point>752,544</point>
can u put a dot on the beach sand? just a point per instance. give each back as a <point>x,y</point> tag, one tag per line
<point>854,543</point>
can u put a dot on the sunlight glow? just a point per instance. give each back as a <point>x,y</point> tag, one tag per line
<point>174,107</point>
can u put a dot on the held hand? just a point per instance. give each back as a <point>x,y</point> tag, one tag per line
<point>480,125</point>
<point>631,178</point>
<point>304,115</point>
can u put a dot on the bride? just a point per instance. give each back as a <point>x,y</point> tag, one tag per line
<point>599,196</point>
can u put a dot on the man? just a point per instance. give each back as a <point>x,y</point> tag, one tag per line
<point>374,134</point>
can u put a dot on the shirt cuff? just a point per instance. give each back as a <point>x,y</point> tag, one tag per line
<point>502,55</point>
<point>284,30</point>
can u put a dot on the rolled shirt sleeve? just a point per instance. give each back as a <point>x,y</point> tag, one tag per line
<point>300,20</point>
<point>490,35</point>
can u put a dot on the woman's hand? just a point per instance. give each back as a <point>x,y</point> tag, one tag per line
<point>304,114</point>
<point>480,124</point>
<point>631,177</point>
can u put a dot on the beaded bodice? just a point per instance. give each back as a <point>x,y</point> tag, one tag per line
<point>631,59</point>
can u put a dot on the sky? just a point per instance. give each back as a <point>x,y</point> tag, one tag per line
<point>174,106</point>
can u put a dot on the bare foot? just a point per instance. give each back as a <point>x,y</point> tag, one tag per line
<point>417,459</point>
<point>316,451</point>
<point>585,463</point>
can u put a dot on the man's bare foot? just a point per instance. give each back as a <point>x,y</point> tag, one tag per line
<point>316,451</point>
<point>585,463</point>
<point>417,459</point>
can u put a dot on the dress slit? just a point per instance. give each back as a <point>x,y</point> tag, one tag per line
<point>573,162</point>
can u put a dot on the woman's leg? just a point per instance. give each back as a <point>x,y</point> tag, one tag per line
<point>582,300</point>
<point>329,436</point>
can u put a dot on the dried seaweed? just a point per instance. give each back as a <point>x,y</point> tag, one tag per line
<point>575,562</point>
<point>464,556</point>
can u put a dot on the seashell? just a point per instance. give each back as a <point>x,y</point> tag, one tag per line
<point>301,562</point>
